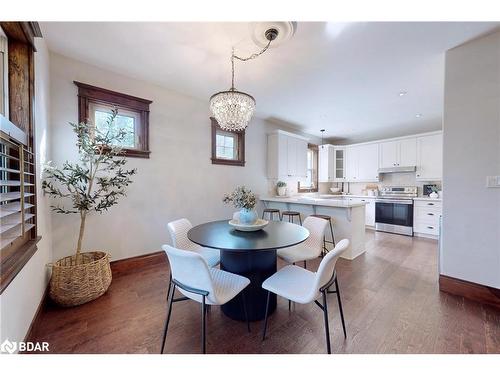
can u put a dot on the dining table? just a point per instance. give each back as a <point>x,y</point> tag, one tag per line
<point>249,254</point>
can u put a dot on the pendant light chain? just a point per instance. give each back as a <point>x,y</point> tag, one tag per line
<point>251,57</point>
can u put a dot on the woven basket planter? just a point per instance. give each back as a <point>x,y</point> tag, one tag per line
<point>76,282</point>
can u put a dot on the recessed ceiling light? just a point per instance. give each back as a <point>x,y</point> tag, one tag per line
<point>403,93</point>
<point>418,115</point>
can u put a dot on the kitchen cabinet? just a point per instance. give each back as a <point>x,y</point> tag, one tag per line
<point>398,153</point>
<point>339,164</point>
<point>326,164</point>
<point>362,163</point>
<point>430,157</point>
<point>369,209</point>
<point>286,155</point>
<point>426,215</point>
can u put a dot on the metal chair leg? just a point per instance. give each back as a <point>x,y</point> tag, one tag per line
<point>203,325</point>
<point>170,299</point>
<point>305,264</point>
<point>340,307</point>
<point>327,328</point>
<point>244,302</point>
<point>300,220</point>
<point>169,283</point>
<point>289,305</point>
<point>331,231</point>
<point>265,317</point>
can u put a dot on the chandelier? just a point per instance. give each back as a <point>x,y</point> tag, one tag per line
<point>233,109</point>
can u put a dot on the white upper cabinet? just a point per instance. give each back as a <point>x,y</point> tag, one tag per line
<point>352,163</point>
<point>368,162</point>
<point>325,163</point>
<point>339,167</point>
<point>430,157</point>
<point>408,152</point>
<point>286,155</point>
<point>399,153</point>
<point>389,154</point>
<point>362,163</point>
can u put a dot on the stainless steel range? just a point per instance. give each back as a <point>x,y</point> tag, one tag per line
<point>394,209</point>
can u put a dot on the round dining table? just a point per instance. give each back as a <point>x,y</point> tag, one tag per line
<point>249,254</point>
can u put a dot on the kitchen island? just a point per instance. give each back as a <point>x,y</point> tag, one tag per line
<point>348,217</point>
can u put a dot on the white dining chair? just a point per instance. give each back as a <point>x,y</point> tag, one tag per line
<point>303,286</point>
<point>178,230</point>
<point>311,248</point>
<point>196,281</point>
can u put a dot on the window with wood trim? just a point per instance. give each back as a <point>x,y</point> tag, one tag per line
<point>310,184</point>
<point>228,147</point>
<point>18,230</point>
<point>95,107</point>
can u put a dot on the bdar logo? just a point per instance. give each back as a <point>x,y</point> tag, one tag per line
<point>8,347</point>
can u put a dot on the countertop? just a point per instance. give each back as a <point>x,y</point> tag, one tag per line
<point>428,199</point>
<point>315,201</point>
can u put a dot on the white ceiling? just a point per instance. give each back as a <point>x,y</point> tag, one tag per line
<point>345,78</point>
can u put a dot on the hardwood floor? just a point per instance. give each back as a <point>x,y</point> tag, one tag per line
<point>390,297</point>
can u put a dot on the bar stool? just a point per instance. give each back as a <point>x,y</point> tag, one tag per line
<point>329,219</point>
<point>271,212</point>
<point>291,215</point>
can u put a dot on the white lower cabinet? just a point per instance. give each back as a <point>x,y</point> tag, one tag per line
<point>369,209</point>
<point>426,215</point>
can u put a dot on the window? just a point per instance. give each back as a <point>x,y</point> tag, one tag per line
<point>227,147</point>
<point>95,106</point>
<point>311,182</point>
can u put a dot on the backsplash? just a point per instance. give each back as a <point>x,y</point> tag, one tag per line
<point>388,179</point>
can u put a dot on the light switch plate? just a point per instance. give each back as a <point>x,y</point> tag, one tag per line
<point>493,181</point>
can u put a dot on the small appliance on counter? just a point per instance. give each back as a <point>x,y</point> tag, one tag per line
<point>428,189</point>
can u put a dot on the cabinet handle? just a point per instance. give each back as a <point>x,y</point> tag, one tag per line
<point>430,227</point>
<point>418,175</point>
<point>430,214</point>
<point>430,204</point>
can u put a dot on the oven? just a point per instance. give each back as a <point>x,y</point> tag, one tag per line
<point>394,216</point>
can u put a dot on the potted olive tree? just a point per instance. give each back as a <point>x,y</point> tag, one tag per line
<point>94,184</point>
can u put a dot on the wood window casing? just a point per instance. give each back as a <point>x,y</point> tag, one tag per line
<point>240,137</point>
<point>18,154</point>
<point>314,175</point>
<point>88,94</point>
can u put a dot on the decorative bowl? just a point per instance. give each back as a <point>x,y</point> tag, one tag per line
<point>258,225</point>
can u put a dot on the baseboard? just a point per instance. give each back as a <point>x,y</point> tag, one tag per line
<point>123,266</point>
<point>38,313</point>
<point>476,292</point>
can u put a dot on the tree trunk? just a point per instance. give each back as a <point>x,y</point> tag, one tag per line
<point>80,236</point>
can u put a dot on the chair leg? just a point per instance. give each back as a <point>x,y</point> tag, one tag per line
<point>244,302</point>
<point>265,317</point>
<point>203,325</point>
<point>340,307</point>
<point>305,264</point>
<point>290,219</point>
<point>331,231</point>
<point>300,220</point>
<point>289,305</point>
<point>327,328</point>
<point>263,212</point>
<point>170,299</point>
<point>169,284</point>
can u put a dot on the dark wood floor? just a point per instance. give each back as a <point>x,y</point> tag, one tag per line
<point>391,302</point>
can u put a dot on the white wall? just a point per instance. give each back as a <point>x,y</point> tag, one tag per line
<point>471,151</point>
<point>22,297</point>
<point>177,181</point>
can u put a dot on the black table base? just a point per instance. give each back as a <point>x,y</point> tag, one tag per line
<point>256,266</point>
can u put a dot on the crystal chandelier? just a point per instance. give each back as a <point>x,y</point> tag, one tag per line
<point>233,109</point>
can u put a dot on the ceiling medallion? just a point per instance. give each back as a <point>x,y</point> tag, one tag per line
<point>233,109</point>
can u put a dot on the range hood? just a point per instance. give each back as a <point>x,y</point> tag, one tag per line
<point>397,169</point>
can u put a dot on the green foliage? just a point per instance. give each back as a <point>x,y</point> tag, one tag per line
<point>241,197</point>
<point>281,184</point>
<point>98,180</point>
